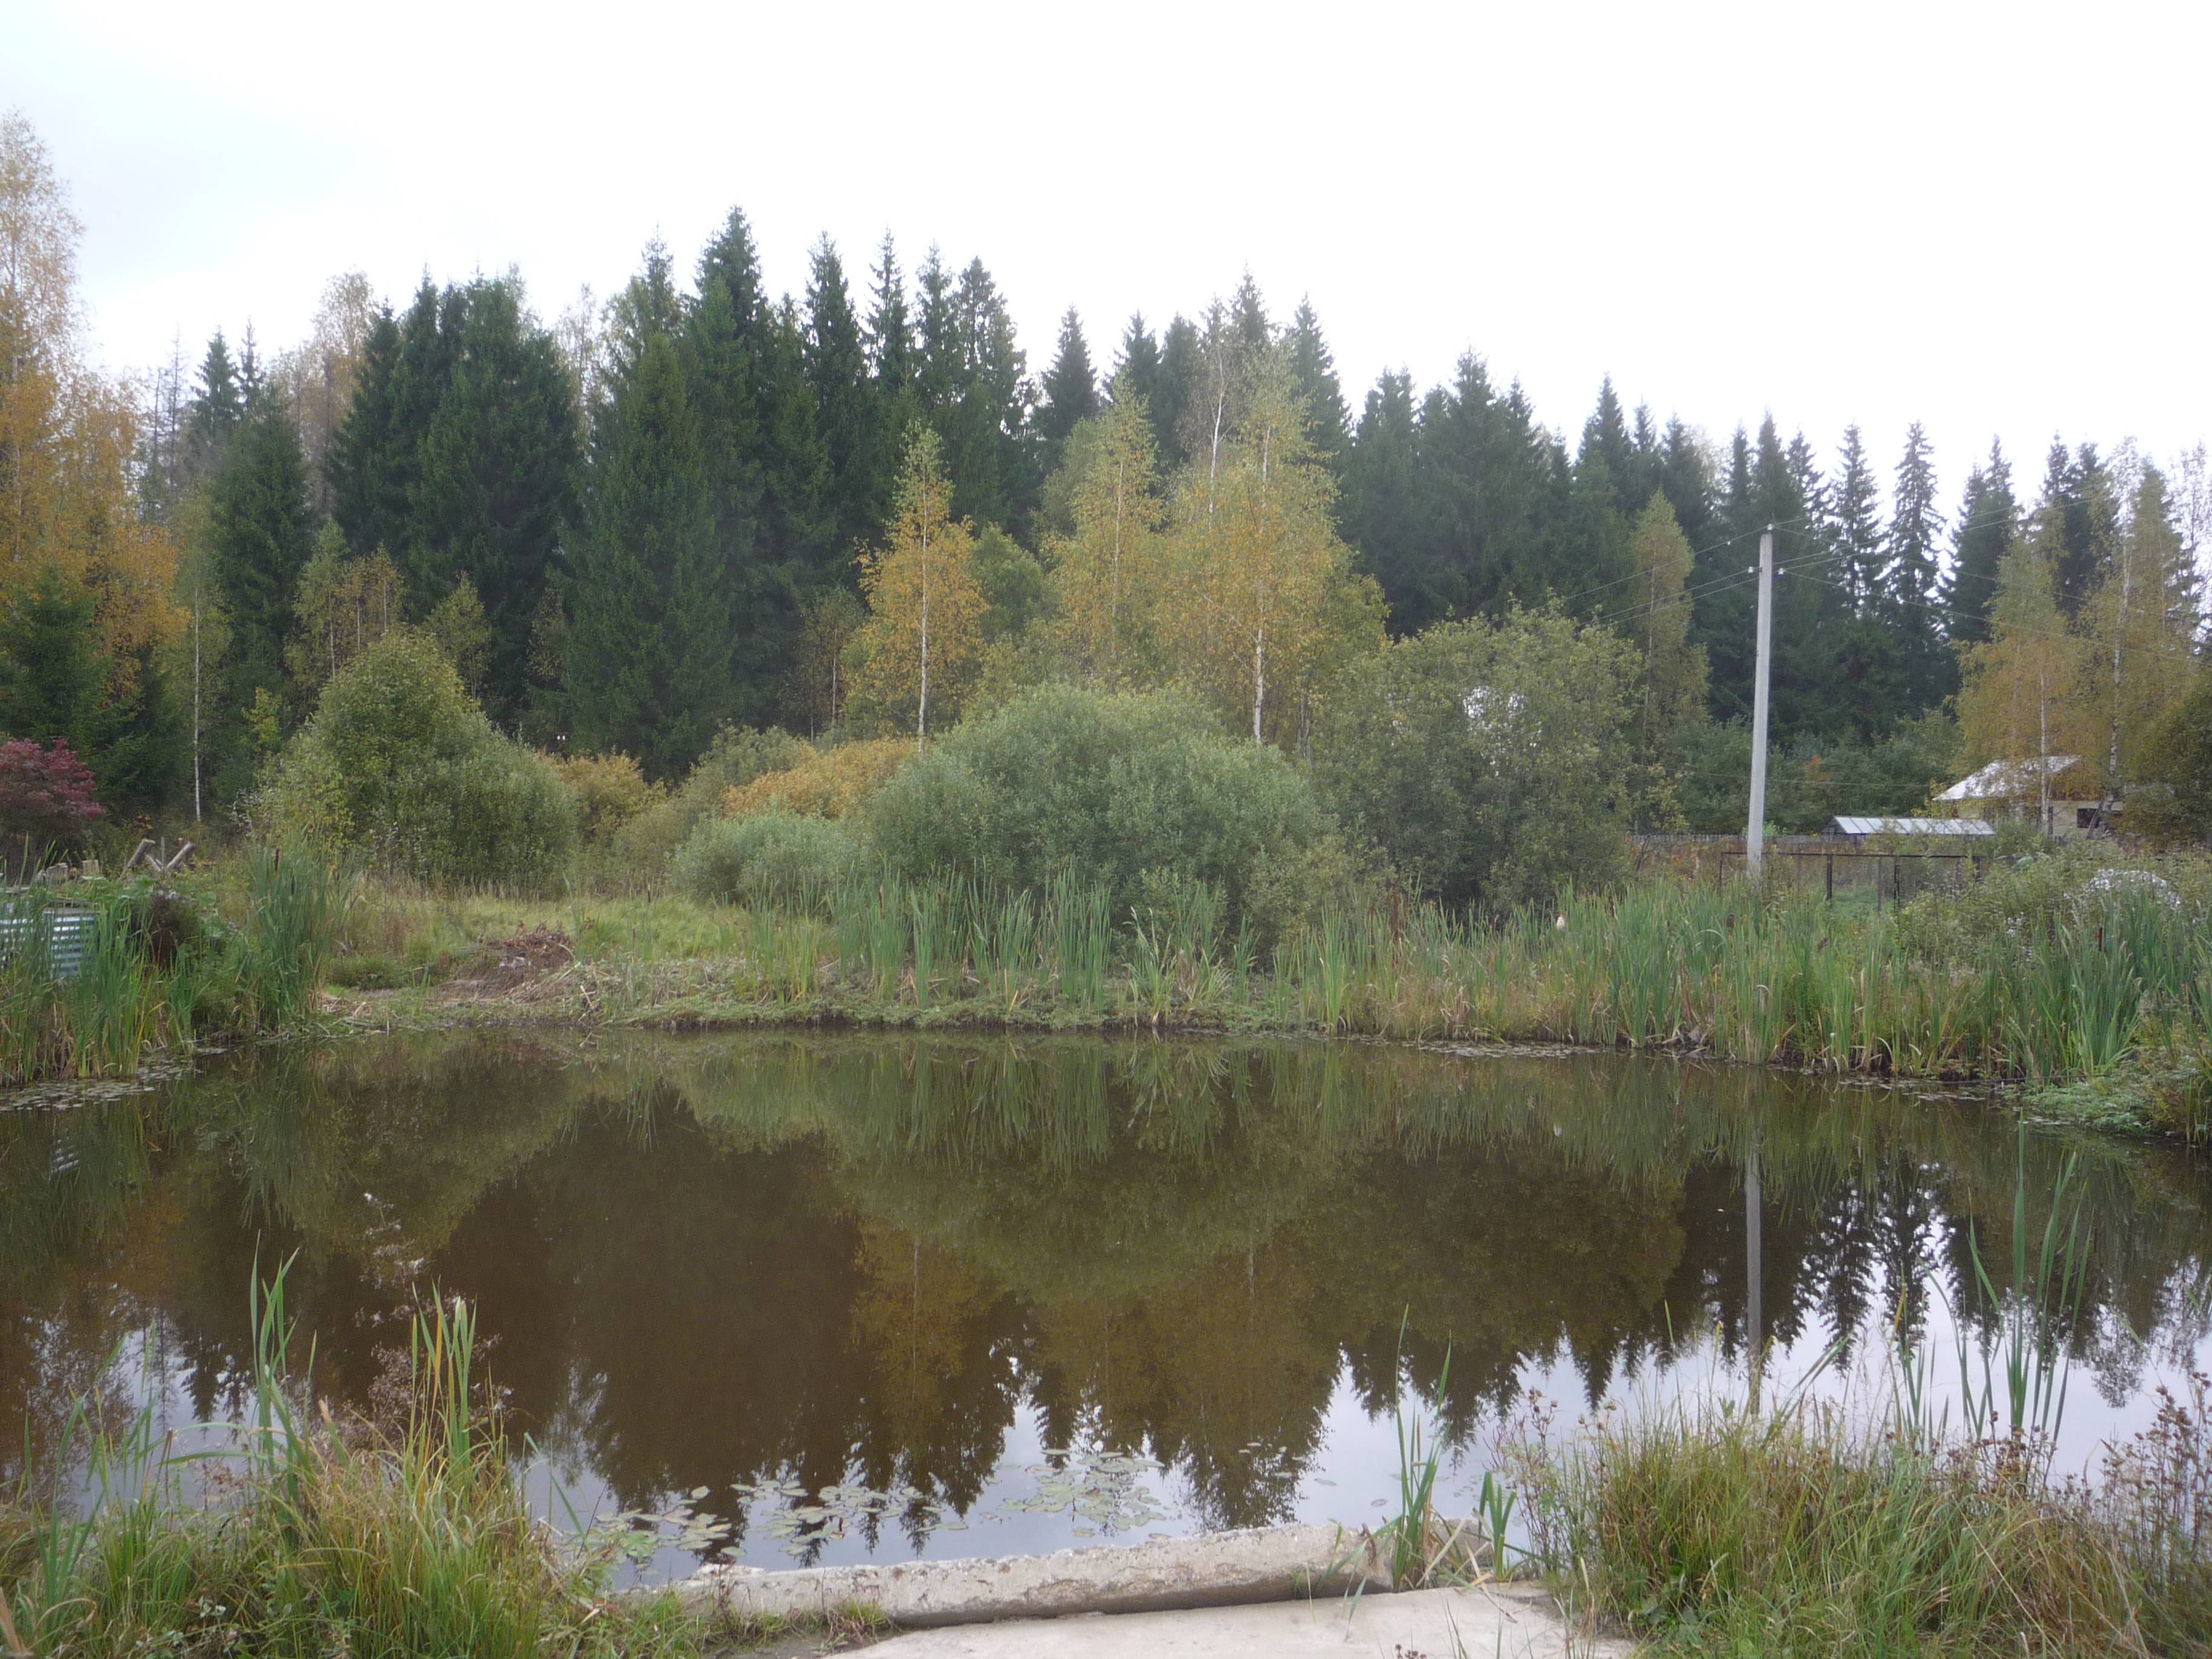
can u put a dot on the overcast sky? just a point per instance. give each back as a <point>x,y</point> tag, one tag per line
<point>1988,217</point>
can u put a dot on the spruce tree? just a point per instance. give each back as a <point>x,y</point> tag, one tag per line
<point>798,511</point>
<point>216,411</point>
<point>1855,537</point>
<point>943,371</point>
<point>1598,558</point>
<point>261,528</point>
<point>1070,389</point>
<point>1181,370</point>
<point>1684,473</point>
<point>1605,435</point>
<point>891,330</point>
<point>1314,369</point>
<point>1502,486</point>
<point>731,263</point>
<point>987,433</point>
<point>1381,510</point>
<point>363,463</point>
<point>494,477</point>
<point>53,675</point>
<point>1868,669</point>
<point>1988,520</point>
<point>1908,603</point>
<point>2079,512</point>
<point>648,638</point>
<point>836,367</point>
<point>1138,369</point>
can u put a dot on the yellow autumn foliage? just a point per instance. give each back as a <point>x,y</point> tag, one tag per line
<point>829,783</point>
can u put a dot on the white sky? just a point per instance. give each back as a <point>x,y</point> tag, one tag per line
<point>1990,217</point>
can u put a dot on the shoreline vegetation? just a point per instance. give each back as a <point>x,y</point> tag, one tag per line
<point>2085,983</point>
<point>2091,988</point>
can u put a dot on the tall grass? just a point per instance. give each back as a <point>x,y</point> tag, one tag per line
<point>156,969</point>
<point>1813,1529</point>
<point>2090,982</point>
<point>402,1538</point>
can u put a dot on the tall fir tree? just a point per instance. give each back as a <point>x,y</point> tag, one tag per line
<point>1854,537</point>
<point>1597,557</point>
<point>1382,509</point>
<point>1314,368</point>
<point>1181,370</point>
<point>1070,389</point>
<point>836,362</point>
<point>1606,437</point>
<point>216,410</point>
<point>1137,371</point>
<point>1909,602</point>
<point>2080,509</point>
<point>648,645</point>
<point>494,473</point>
<point>260,530</point>
<point>891,328</point>
<point>1989,518</point>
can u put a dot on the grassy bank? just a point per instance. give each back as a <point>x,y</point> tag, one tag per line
<point>1710,1530</point>
<point>306,1534</point>
<point>2052,971</point>
<point>1829,1526</point>
<point>97,977</point>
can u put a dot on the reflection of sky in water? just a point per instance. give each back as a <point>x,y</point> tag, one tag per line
<point>933,1269</point>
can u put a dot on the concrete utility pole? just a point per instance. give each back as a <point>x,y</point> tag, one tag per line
<point>1754,834</point>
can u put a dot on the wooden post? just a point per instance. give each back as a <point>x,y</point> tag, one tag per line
<point>1832,878</point>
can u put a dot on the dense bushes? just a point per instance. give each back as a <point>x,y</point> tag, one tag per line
<point>1113,786</point>
<point>399,762</point>
<point>1493,762</point>
<point>829,782</point>
<point>771,856</point>
<point>609,792</point>
<point>735,756</point>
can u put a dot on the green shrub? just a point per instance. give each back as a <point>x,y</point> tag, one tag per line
<point>1493,762</point>
<point>737,757</point>
<point>400,764</point>
<point>609,790</point>
<point>1110,785</point>
<point>770,856</point>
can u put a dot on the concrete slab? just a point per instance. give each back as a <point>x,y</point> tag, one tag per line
<point>1500,1622</point>
<point>1218,1569</point>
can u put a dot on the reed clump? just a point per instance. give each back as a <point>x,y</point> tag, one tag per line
<point>1706,1529</point>
<point>302,1535</point>
<point>98,976</point>
<point>2051,971</point>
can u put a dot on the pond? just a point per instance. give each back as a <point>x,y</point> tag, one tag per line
<point>967,1294</point>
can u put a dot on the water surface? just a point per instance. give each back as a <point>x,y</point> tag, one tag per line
<point>964,1295</point>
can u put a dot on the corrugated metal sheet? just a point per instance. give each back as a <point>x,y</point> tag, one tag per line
<point>56,938</point>
<point>2008,779</point>
<point>1849,826</point>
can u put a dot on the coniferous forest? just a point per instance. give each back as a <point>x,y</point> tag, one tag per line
<point>638,522</point>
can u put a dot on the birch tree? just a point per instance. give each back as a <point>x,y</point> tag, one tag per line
<point>923,634</point>
<point>2013,703</point>
<point>1673,669</point>
<point>1106,575</point>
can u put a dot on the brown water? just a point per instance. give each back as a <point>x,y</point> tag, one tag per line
<point>967,1295</point>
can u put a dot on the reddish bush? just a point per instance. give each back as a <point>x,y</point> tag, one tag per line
<point>45,796</point>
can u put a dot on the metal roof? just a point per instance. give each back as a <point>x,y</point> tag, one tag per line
<point>2007,780</point>
<point>1851,826</point>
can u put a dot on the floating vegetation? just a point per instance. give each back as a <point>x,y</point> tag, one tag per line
<point>1100,1488</point>
<point>835,1512</point>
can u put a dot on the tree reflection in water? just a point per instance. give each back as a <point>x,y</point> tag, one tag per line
<point>711,1260</point>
